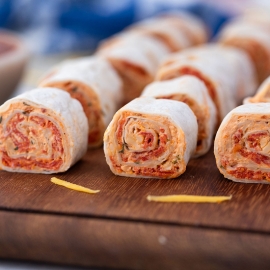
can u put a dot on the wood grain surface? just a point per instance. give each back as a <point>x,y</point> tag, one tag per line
<point>119,228</point>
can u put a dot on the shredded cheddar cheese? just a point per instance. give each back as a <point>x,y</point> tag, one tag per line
<point>72,186</point>
<point>189,198</point>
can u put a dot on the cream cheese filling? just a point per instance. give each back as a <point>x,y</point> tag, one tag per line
<point>133,141</point>
<point>250,127</point>
<point>37,139</point>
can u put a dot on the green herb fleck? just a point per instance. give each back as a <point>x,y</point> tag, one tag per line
<point>32,142</point>
<point>176,160</point>
<point>137,162</point>
<point>16,148</point>
<point>221,167</point>
<point>1,118</point>
<point>26,104</point>
<point>123,149</point>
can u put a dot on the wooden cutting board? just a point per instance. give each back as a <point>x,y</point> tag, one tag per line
<point>118,228</point>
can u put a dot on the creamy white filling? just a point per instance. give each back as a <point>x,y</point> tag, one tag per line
<point>133,138</point>
<point>40,140</point>
<point>249,127</point>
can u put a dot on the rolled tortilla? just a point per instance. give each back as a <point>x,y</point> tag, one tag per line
<point>227,73</point>
<point>136,59</point>
<point>194,28</point>
<point>137,51</point>
<point>165,31</point>
<point>262,95</point>
<point>256,15</point>
<point>192,91</point>
<point>252,38</point>
<point>242,144</point>
<point>42,131</point>
<point>176,30</point>
<point>93,82</point>
<point>151,138</point>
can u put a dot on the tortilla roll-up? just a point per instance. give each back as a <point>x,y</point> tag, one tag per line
<point>192,91</point>
<point>193,27</point>
<point>93,82</point>
<point>227,73</point>
<point>165,31</point>
<point>151,138</point>
<point>177,30</point>
<point>262,95</point>
<point>256,15</point>
<point>42,131</point>
<point>136,59</point>
<point>242,144</point>
<point>252,38</point>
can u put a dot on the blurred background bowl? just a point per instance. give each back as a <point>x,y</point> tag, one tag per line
<point>13,59</point>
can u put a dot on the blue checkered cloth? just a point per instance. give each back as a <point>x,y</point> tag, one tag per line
<point>54,26</point>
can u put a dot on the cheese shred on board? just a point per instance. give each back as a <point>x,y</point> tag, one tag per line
<point>189,198</point>
<point>72,186</point>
